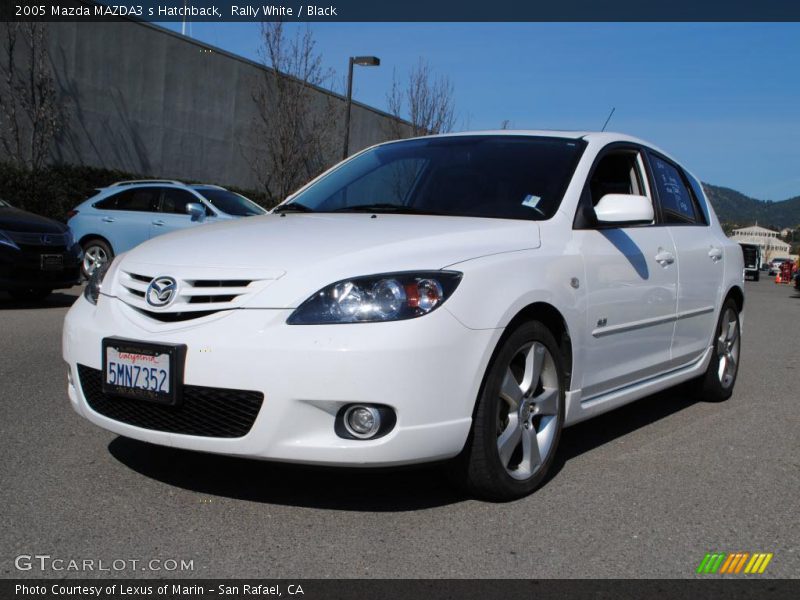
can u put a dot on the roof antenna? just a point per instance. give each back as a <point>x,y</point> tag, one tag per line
<point>613,108</point>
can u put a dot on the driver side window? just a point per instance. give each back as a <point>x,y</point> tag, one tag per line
<point>617,173</point>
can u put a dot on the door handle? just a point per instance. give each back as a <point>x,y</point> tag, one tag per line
<point>108,219</point>
<point>159,223</point>
<point>665,258</point>
<point>715,254</point>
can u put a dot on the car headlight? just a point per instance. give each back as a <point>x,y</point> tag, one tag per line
<point>388,297</point>
<point>95,283</point>
<point>7,241</point>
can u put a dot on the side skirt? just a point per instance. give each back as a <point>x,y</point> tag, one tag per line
<point>578,410</point>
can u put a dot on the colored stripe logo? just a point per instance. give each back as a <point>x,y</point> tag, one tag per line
<point>735,563</point>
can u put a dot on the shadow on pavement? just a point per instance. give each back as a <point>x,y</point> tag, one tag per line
<point>385,490</point>
<point>591,434</point>
<point>58,299</point>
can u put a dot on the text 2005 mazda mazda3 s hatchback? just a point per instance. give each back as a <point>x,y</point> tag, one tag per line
<point>453,297</point>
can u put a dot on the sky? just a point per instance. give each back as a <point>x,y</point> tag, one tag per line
<point>724,99</point>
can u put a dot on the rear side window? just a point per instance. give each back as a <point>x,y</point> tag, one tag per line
<point>139,200</point>
<point>699,196</point>
<point>677,204</point>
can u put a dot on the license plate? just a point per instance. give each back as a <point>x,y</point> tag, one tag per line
<point>142,370</point>
<point>52,262</point>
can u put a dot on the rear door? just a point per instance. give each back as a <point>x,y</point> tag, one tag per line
<point>631,282</point>
<point>700,255</point>
<point>124,218</point>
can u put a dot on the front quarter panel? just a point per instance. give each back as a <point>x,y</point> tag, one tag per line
<point>495,289</point>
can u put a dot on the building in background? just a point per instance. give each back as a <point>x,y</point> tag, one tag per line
<point>145,100</point>
<point>769,241</point>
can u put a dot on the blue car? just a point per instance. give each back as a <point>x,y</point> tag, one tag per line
<point>128,213</point>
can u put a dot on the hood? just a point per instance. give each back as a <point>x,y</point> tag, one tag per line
<point>14,219</point>
<point>309,251</point>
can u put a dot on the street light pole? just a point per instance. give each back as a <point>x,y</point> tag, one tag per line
<point>346,150</point>
<point>362,61</point>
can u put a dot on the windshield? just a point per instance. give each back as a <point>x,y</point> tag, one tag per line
<point>231,203</point>
<point>501,176</point>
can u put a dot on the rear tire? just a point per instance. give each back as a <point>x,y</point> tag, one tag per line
<point>518,418</point>
<point>96,252</point>
<point>720,378</point>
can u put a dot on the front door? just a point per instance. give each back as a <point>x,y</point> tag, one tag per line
<point>631,285</point>
<point>173,215</point>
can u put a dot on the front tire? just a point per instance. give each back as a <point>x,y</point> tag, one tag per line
<point>518,418</point>
<point>720,377</point>
<point>96,253</point>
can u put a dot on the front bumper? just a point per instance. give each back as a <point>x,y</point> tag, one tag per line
<point>22,269</point>
<point>429,370</point>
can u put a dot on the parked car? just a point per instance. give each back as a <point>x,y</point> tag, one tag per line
<point>129,212</point>
<point>37,254</point>
<point>457,297</point>
<point>775,265</point>
<point>752,260</point>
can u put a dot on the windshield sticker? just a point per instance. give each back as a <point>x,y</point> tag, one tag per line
<point>531,201</point>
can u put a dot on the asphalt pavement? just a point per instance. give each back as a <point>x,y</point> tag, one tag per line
<point>644,491</point>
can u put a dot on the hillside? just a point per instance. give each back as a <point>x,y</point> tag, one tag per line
<point>734,207</point>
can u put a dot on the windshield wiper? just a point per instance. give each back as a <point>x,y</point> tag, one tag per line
<point>293,207</point>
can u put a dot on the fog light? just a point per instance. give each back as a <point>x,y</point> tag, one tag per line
<point>362,422</point>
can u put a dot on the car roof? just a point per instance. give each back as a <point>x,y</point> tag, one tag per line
<point>118,186</point>
<point>594,137</point>
<point>129,183</point>
<point>554,133</point>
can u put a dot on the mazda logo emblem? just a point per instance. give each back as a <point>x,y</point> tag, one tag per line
<point>161,291</point>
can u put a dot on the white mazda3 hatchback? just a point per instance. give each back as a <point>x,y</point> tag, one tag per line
<point>458,297</point>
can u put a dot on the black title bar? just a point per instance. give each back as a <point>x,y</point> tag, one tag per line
<point>404,10</point>
<point>709,588</point>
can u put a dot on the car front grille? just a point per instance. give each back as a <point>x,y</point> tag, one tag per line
<point>195,297</point>
<point>203,411</point>
<point>43,240</point>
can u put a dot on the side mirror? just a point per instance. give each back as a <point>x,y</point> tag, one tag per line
<point>196,210</point>
<point>624,209</point>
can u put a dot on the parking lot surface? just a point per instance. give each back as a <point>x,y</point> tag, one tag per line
<point>644,491</point>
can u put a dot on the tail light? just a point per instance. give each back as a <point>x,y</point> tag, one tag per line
<point>71,214</point>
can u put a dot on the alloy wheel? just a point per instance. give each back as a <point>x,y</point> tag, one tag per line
<point>528,411</point>
<point>728,344</point>
<point>93,257</point>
